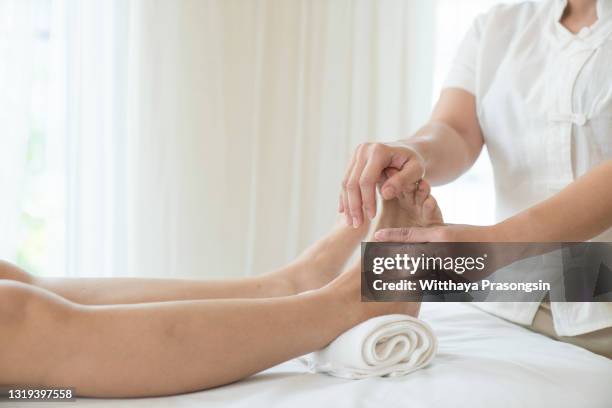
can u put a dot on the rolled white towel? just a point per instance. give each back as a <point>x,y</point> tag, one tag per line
<point>390,345</point>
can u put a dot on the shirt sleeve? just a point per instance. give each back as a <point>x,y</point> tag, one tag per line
<point>463,71</point>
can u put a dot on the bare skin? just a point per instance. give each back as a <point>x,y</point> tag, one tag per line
<point>136,349</point>
<point>579,14</point>
<point>442,150</point>
<point>168,347</point>
<point>414,210</point>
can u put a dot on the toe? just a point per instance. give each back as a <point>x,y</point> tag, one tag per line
<point>422,192</point>
<point>431,212</point>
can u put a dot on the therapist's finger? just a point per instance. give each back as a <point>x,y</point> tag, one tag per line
<point>354,190</point>
<point>344,192</point>
<point>407,235</point>
<point>403,181</point>
<point>347,211</point>
<point>371,175</point>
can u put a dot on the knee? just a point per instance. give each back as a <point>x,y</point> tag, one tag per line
<point>24,307</point>
<point>23,304</point>
<point>11,272</point>
<point>30,319</point>
<point>15,299</point>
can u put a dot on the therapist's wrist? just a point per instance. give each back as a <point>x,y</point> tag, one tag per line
<point>462,233</point>
<point>419,151</point>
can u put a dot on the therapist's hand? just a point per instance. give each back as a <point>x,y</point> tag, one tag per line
<point>441,233</point>
<point>484,239</point>
<point>394,166</point>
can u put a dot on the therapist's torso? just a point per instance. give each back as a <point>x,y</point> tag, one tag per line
<point>544,103</point>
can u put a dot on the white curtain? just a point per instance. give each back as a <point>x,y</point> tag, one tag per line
<point>207,138</point>
<point>16,38</point>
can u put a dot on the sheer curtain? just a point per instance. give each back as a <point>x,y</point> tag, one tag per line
<point>208,138</point>
<point>17,38</point>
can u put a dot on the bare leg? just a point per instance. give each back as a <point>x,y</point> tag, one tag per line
<point>314,268</point>
<point>168,347</point>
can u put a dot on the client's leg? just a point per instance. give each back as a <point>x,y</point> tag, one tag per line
<point>168,347</point>
<point>317,266</point>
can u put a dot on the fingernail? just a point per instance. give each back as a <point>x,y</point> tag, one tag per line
<point>347,219</point>
<point>371,214</point>
<point>355,222</point>
<point>388,193</point>
<point>379,235</point>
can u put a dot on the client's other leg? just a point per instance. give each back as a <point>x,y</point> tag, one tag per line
<point>314,268</point>
<point>168,347</point>
<point>325,259</point>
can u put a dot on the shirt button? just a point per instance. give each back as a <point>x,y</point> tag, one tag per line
<point>584,32</point>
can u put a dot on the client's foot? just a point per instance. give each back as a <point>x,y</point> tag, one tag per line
<point>347,287</point>
<point>413,209</point>
<point>325,259</point>
<point>418,209</point>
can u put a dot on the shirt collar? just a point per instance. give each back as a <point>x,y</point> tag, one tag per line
<point>599,31</point>
<point>559,7</point>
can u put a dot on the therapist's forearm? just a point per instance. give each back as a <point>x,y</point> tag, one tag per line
<point>452,140</point>
<point>578,213</point>
<point>446,154</point>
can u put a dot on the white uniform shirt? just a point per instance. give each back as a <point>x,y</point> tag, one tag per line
<point>544,103</point>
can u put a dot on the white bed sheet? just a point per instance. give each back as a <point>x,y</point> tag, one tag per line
<point>483,361</point>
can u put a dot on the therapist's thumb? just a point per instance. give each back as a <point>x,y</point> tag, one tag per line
<point>410,234</point>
